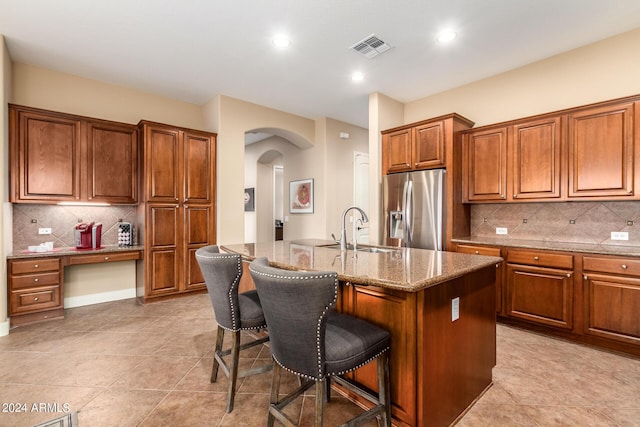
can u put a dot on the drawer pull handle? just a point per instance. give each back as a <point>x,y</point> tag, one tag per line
<point>624,266</point>
<point>585,277</point>
<point>36,280</point>
<point>36,299</point>
<point>106,258</point>
<point>568,274</point>
<point>477,252</point>
<point>536,258</point>
<point>36,266</point>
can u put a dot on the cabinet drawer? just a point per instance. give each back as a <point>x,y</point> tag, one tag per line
<point>34,300</point>
<point>545,259</point>
<point>35,265</point>
<point>108,257</point>
<point>478,250</point>
<point>34,280</point>
<point>612,265</point>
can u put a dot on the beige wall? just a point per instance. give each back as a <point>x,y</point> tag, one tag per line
<point>604,70</point>
<point>5,212</point>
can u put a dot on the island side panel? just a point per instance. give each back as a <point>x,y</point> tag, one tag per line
<point>455,358</point>
<point>394,311</point>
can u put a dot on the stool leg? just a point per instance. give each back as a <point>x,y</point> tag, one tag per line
<point>384,387</point>
<point>217,351</point>
<point>320,397</point>
<point>233,369</point>
<point>275,391</point>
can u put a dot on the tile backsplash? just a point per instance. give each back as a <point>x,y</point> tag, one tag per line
<point>27,219</point>
<point>575,222</point>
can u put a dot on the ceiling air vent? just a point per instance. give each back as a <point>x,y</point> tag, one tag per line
<point>371,46</point>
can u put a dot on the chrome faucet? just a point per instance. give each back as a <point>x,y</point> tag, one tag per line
<point>343,230</point>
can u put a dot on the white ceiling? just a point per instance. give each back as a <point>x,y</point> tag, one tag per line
<point>192,50</point>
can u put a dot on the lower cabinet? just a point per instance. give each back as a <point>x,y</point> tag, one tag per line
<point>540,287</point>
<point>488,251</point>
<point>34,290</point>
<point>611,289</point>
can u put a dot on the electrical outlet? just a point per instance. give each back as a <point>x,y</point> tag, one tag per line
<point>455,309</point>
<point>44,231</point>
<point>501,230</point>
<point>619,235</point>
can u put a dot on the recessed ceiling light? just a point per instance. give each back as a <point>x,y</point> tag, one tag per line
<point>357,76</point>
<point>281,41</point>
<point>446,36</point>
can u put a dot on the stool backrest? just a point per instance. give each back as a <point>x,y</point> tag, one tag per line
<point>222,273</point>
<point>295,306</point>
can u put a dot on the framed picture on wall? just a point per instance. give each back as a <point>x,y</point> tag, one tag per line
<point>249,200</point>
<point>301,196</point>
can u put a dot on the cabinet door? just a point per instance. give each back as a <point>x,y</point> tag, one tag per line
<point>162,252</point>
<point>428,146</point>
<point>45,149</point>
<point>198,167</point>
<point>197,233</point>
<point>112,152</point>
<point>488,251</point>
<point>396,151</point>
<point>536,159</point>
<point>612,304</point>
<point>162,151</point>
<point>601,151</point>
<point>540,295</point>
<point>485,173</point>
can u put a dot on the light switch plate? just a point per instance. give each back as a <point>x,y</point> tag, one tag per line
<point>455,309</point>
<point>619,235</point>
<point>501,230</point>
<point>44,231</point>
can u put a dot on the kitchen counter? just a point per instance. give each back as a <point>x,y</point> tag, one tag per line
<point>66,251</point>
<point>439,308</point>
<point>621,249</point>
<point>405,269</point>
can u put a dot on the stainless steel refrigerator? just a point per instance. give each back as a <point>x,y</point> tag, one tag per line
<point>414,209</point>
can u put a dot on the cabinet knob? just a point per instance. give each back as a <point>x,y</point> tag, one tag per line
<point>36,266</point>
<point>568,274</point>
<point>36,279</point>
<point>502,195</point>
<point>477,252</point>
<point>36,299</point>
<point>186,200</point>
<point>585,277</point>
<point>106,258</point>
<point>536,258</point>
<point>624,266</point>
<point>515,196</point>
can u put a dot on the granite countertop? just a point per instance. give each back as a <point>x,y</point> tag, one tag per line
<point>65,251</point>
<point>622,249</point>
<point>409,270</point>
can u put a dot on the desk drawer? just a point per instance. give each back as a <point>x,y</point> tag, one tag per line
<point>627,266</point>
<point>478,250</point>
<point>35,299</point>
<point>34,265</point>
<point>104,257</point>
<point>542,259</point>
<point>34,280</point>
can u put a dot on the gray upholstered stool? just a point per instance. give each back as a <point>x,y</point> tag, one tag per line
<point>235,312</point>
<point>311,340</point>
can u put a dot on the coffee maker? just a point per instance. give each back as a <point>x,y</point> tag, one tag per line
<point>88,235</point>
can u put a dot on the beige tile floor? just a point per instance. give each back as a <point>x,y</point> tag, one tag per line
<point>122,364</point>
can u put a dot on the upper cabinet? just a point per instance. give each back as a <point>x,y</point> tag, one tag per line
<point>586,153</point>
<point>601,151</point>
<point>57,157</point>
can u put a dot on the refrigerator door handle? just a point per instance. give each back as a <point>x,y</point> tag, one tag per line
<point>409,213</point>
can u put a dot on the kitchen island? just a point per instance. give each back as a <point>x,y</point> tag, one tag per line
<point>438,306</point>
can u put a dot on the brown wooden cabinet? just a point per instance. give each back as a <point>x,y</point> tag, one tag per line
<point>540,287</point>
<point>485,165</point>
<point>34,290</point>
<point>488,251</point>
<point>601,151</point>
<point>57,157</point>
<point>396,151</point>
<point>611,289</point>
<point>178,209</point>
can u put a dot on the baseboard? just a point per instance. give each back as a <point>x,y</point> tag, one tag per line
<point>98,298</point>
<point>4,328</point>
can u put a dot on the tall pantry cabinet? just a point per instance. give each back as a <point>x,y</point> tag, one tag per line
<point>177,208</point>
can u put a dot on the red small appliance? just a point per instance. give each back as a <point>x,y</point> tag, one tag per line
<point>83,235</point>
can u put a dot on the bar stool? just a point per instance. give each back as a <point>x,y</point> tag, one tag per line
<point>311,340</point>
<point>235,312</point>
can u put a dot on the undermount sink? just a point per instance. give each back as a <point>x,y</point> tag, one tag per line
<point>370,249</point>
